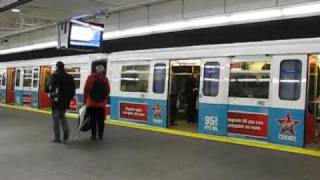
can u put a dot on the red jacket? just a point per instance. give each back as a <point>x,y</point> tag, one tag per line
<point>89,83</point>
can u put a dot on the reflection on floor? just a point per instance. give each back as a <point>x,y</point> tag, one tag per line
<point>182,124</point>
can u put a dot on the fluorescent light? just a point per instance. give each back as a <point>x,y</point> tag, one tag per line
<point>302,9</point>
<point>172,26</point>
<point>29,48</point>
<point>202,22</point>
<point>266,14</point>
<point>15,10</point>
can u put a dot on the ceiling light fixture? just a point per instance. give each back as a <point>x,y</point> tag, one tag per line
<point>15,10</point>
<point>50,44</point>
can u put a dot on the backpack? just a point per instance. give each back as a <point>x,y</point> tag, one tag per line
<point>98,91</point>
<point>69,87</point>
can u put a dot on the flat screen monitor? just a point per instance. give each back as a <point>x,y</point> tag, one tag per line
<point>85,36</point>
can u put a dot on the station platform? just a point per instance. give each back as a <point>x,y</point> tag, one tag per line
<point>27,153</point>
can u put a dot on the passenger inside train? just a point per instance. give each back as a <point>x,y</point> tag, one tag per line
<point>183,96</point>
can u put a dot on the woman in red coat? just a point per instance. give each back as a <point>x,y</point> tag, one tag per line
<point>96,92</point>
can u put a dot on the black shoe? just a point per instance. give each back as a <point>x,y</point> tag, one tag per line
<point>56,141</point>
<point>93,138</point>
<point>66,136</point>
<point>100,138</point>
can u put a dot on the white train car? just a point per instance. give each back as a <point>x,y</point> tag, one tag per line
<point>259,90</point>
<point>23,82</point>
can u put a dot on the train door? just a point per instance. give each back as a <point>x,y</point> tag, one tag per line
<point>313,100</point>
<point>183,94</point>
<point>3,84</point>
<point>18,87</point>
<point>10,85</point>
<point>45,72</point>
<point>287,110</point>
<point>249,98</point>
<point>213,96</point>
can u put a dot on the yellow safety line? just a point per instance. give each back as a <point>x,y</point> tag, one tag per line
<point>238,141</point>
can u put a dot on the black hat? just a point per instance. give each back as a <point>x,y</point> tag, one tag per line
<point>60,65</point>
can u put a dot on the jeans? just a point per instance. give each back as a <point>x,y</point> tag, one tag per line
<point>59,119</point>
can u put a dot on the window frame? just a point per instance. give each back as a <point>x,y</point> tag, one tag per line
<point>18,78</point>
<point>299,83</point>
<point>248,61</point>
<point>163,81</point>
<point>77,80</point>
<point>204,76</point>
<point>26,76</point>
<point>147,71</point>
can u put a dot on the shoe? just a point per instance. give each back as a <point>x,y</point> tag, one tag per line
<point>100,138</point>
<point>93,138</point>
<point>56,141</point>
<point>66,136</point>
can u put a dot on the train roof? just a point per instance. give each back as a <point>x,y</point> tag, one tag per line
<point>293,46</point>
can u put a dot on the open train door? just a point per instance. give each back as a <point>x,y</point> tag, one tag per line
<point>45,72</point>
<point>10,85</point>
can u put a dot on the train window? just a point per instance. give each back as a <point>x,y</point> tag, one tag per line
<point>35,78</point>
<point>18,78</point>
<point>249,79</point>
<point>1,80</point>
<point>27,77</point>
<point>134,78</point>
<point>159,78</point>
<point>75,73</point>
<point>211,79</point>
<point>290,79</point>
<point>4,79</point>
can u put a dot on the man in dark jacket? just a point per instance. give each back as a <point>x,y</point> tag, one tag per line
<point>191,93</point>
<point>61,89</point>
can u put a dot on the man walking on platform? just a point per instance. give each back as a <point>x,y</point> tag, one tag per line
<point>61,89</point>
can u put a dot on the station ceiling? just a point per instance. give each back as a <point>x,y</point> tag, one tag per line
<point>42,13</point>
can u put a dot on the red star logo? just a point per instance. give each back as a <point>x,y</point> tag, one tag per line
<point>157,111</point>
<point>287,124</point>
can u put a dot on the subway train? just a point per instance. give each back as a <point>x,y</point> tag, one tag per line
<point>266,91</point>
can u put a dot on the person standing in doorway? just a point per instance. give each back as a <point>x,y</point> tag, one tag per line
<point>96,92</point>
<point>173,102</point>
<point>61,89</point>
<point>191,93</point>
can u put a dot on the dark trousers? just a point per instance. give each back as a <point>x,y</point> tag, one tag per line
<point>97,116</point>
<point>173,108</point>
<point>191,110</point>
<point>59,119</point>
